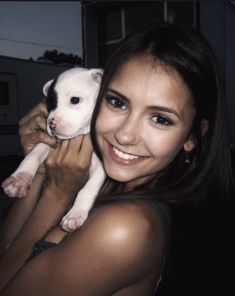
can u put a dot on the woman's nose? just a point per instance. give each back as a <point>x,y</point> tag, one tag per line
<point>128,133</point>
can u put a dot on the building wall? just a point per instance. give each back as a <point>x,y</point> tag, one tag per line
<point>217,23</point>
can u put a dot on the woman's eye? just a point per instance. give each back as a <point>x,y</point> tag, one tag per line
<point>115,102</point>
<point>161,120</point>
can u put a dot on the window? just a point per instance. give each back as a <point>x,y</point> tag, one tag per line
<point>115,20</point>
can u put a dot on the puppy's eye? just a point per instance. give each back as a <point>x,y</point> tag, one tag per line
<point>75,100</point>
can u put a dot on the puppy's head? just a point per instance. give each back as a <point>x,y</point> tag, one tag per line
<point>70,101</point>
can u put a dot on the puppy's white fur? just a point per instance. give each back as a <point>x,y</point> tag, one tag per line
<point>66,121</point>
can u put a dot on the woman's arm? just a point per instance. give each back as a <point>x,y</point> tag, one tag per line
<point>67,169</point>
<point>19,212</point>
<point>119,246</point>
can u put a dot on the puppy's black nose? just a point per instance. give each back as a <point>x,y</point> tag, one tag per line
<point>52,124</point>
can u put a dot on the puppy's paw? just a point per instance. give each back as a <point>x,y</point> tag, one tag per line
<point>74,219</point>
<point>17,185</point>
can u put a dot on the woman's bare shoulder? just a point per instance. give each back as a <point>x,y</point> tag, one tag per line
<point>129,223</point>
<point>125,212</point>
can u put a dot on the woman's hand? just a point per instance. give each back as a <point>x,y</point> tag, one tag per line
<point>68,165</point>
<point>33,128</point>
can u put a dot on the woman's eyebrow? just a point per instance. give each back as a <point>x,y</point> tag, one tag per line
<point>115,92</point>
<point>165,109</point>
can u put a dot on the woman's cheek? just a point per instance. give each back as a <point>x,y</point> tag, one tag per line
<point>107,121</point>
<point>101,121</point>
<point>164,144</point>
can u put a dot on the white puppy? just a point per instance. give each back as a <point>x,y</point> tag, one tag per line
<point>70,100</point>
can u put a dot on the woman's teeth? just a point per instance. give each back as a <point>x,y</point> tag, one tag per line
<point>124,155</point>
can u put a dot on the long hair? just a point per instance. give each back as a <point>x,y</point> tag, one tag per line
<point>187,52</point>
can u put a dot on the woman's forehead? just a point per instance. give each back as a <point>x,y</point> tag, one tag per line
<point>147,72</point>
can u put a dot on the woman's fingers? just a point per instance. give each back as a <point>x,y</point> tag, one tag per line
<point>75,152</point>
<point>33,129</point>
<point>68,165</point>
<point>38,109</point>
<point>29,139</point>
<point>86,148</point>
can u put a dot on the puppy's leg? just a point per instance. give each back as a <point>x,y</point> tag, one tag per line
<point>85,198</point>
<point>18,183</point>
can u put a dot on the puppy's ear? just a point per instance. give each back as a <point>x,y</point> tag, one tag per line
<point>46,87</point>
<point>96,74</point>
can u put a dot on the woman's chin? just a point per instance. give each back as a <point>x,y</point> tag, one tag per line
<point>118,177</point>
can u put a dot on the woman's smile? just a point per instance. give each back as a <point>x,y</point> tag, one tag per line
<point>122,157</point>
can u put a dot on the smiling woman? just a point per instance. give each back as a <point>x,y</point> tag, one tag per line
<point>144,120</point>
<point>166,87</point>
<point>159,127</point>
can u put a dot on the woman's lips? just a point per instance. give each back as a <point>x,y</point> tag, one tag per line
<point>122,157</point>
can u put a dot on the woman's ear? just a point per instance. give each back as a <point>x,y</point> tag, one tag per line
<point>204,127</point>
<point>191,142</point>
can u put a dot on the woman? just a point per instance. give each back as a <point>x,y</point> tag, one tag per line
<point>159,127</point>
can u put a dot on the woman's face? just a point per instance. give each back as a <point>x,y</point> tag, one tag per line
<point>145,119</point>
